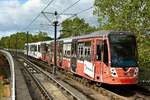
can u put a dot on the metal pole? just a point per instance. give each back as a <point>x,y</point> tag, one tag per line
<point>27,43</point>
<point>55,38</point>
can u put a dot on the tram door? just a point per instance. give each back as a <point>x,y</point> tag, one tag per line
<point>99,57</point>
<point>50,53</point>
<point>60,53</point>
<point>43,50</point>
<point>74,55</point>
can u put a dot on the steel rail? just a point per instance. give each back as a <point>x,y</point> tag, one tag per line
<point>43,90</point>
<point>52,79</point>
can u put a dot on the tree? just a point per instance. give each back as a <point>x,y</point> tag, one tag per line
<point>144,50</point>
<point>129,15</point>
<point>4,42</point>
<point>41,36</point>
<point>20,38</point>
<point>75,27</point>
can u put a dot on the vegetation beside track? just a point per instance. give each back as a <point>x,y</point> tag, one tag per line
<point>4,74</point>
<point>144,59</point>
<point>1,88</point>
<point>144,51</point>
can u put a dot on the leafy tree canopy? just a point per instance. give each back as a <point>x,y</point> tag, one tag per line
<point>20,38</point>
<point>129,15</point>
<point>75,27</point>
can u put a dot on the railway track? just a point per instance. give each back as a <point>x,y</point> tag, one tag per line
<point>70,93</point>
<point>111,93</point>
<point>43,90</point>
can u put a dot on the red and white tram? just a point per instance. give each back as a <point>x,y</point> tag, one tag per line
<point>33,50</point>
<point>105,56</point>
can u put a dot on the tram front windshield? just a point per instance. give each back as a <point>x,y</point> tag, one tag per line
<point>123,50</point>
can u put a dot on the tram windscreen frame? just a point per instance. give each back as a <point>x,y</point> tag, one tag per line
<point>123,50</point>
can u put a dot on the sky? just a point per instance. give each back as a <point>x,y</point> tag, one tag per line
<point>23,1</point>
<point>15,15</point>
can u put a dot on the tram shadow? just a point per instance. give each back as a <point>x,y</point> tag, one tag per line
<point>122,90</point>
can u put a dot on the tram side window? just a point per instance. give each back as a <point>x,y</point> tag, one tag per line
<point>89,51</point>
<point>60,50</point>
<point>33,48</point>
<point>105,53</point>
<point>74,48</point>
<point>28,47</point>
<point>84,51</point>
<point>87,55</point>
<point>25,47</point>
<point>67,50</point>
<point>80,51</point>
<point>99,49</point>
<point>50,49</point>
<point>38,48</point>
<point>43,48</point>
<point>46,48</point>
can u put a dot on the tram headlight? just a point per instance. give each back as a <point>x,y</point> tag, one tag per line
<point>113,72</point>
<point>136,71</point>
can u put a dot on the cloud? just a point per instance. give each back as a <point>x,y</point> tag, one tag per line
<point>16,15</point>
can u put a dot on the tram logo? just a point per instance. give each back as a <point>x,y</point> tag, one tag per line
<point>89,68</point>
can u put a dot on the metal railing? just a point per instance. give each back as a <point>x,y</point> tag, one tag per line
<point>11,64</point>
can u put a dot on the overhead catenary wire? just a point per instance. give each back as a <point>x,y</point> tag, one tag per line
<point>47,18</point>
<point>73,15</point>
<point>82,11</point>
<point>47,5</point>
<point>69,7</point>
<point>50,2</point>
<point>62,13</point>
<point>31,22</point>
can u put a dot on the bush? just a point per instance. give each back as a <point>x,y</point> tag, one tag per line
<point>1,88</point>
<point>144,51</point>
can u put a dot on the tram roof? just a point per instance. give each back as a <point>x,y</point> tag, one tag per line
<point>33,43</point>
<point>100,34</point>
<point>93,34</point>
<point>88,35</point>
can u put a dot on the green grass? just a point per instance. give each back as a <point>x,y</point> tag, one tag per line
<point>1,88</point>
